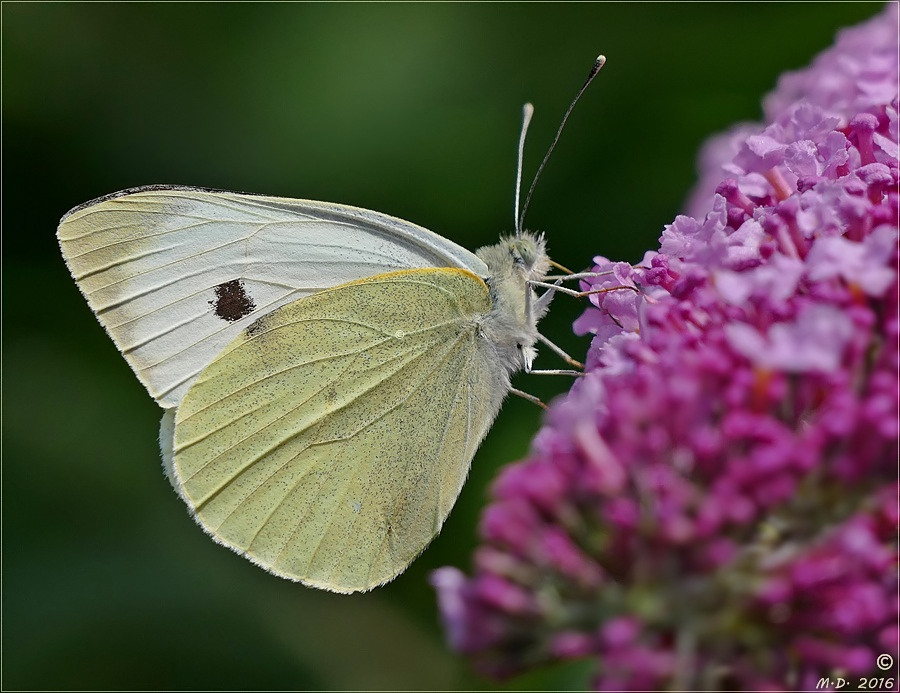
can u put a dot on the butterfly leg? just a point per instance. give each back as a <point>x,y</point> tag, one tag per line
<point>553,371</point>
<point>559,352</point>
<point>580,294</point>
<point>542,303</point>
<point>577,275</point>
<point>530,398</point>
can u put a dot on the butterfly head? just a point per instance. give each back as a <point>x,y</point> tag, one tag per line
<point>512,324</point>
<point>522,258</point>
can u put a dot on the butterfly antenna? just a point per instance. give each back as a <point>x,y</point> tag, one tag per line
<point>527,112</point>
<point>595,68</point>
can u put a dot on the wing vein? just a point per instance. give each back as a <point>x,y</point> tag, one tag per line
<point>427,377</point>
<point>432,467</point>
<point>353,352</point>
<point>278,443</point>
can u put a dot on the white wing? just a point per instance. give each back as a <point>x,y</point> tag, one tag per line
<point>175,273</point>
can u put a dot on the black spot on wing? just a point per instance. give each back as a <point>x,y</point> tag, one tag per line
<point>232,301</point>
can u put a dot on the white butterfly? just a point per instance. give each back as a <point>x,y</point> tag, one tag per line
<point>327,371</point>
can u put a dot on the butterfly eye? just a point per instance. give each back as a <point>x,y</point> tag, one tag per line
<point>523,252</point>
<point>527,254</point>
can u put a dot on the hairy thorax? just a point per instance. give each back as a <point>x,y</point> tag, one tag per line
<point>511,326</point>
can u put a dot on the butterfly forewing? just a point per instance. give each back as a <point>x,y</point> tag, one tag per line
<point>329,447</point>
<point>174,274</point>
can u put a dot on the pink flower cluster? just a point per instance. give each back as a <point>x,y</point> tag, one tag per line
<point>715,504</point>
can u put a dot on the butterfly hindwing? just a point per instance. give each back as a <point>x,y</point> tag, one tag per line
<point>330,439</point>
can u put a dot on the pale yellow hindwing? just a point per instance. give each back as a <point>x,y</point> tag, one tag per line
<point>329,441</point>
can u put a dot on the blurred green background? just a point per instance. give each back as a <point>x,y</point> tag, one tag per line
<point>409,109</point>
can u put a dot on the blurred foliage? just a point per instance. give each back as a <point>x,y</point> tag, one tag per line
<point>410,109</point>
